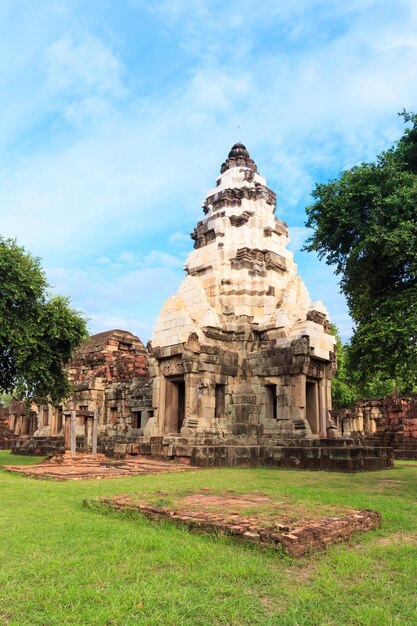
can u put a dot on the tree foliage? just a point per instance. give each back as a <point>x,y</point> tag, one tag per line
<point>38,333</point>
<point>347,386</point>
<point>365,223</point>
<point>344,392</point>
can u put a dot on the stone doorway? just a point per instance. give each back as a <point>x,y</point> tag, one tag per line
<point>312,406</point>
<point>174,404</point>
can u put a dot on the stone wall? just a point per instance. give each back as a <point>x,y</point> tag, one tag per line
<point>6,435</point>
<point>389,421</point>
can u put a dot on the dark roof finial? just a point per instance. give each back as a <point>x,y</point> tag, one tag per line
<point>238,157</point>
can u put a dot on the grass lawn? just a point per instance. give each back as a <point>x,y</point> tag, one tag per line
<point>14,459</point>
<point>63,564</point>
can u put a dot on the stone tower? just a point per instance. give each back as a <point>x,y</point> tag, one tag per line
<point>241,356</point>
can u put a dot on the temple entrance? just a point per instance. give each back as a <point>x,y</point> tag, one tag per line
<point>174,404</point>
<point>312,406</point>
<point>136,419</point>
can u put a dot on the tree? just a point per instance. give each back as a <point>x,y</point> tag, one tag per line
<point>365,223</point>
<point>344,392</point>
<point>38,333</point>
<point>347,387</point>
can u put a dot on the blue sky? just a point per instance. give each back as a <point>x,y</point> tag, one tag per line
<point>116,116</point>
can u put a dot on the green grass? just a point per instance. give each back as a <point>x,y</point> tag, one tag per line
<point>15,459</point>
<point>64,564</point>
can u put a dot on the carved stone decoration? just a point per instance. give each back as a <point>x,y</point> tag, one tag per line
<point>172,366</point>
<point>316,316</point>
<point>235,196</point>
<point>239,220</point>
<point>301,346</point>
<point>275,261</point>
<point>316,369</point>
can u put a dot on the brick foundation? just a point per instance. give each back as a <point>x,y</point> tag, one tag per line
<point>294,539</point>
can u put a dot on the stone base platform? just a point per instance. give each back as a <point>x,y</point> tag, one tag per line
<point>340,455</point>
<point>89,466</point>
<point>403,447</point>
<point>279,525</point>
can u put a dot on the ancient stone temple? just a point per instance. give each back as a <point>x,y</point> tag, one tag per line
<point>241,351</point>
<point>240,365</point>
<point>242,358</point>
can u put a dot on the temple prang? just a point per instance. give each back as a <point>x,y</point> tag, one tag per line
<point>262,361</point>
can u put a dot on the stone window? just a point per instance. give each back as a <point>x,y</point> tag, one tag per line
<point>220,394</point>
<point>271,405</point>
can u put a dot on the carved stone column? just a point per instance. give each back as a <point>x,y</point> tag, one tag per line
<point>73,434</point>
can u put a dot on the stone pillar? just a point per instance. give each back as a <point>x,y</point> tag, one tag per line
<point>328,384</point>
<point>73,431</point>
<point>94,442</point>
<point>87,433</point>
<point>25,425</point>
<point>67,432</point>
<point>322,406</point>
<point>160,426</point>
<point>300,394</point>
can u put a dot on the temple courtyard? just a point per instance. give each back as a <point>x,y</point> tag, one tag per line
<point>70,558</point>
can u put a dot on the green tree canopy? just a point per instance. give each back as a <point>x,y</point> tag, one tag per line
<point>38,333</point>
<point>365,223</point>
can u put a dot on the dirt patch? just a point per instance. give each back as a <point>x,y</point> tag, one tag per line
<point>208,501</point>
<point>389,480</point>
<point>396,539</point>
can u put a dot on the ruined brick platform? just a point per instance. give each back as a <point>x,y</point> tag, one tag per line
<point>89,466</point>
<point>254,517</point>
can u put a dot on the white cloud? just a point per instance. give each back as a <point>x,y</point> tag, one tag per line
<point>312,96</point>
<point>84,77</point>
<point>157,258</point>
<point>298,236</point>
<point>125,298</point>
<point>180,239</point>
